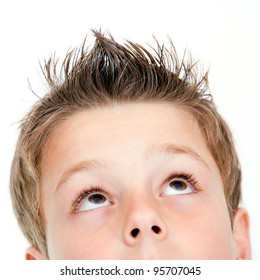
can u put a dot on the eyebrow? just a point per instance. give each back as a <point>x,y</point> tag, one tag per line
<point>171,149</point>
<point>151,152</point>
<point>85,165</point>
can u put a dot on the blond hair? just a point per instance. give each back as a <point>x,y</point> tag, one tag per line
<point>112,73</point>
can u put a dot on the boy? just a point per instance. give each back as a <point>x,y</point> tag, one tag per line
<point>126,157</point>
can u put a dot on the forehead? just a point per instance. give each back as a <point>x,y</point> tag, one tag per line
<point>122,130</point>
<point>121,118</point>
<point>131,124</point>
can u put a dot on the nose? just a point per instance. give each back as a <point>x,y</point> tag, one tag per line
<point>144,221</point>
<point>156,229</point>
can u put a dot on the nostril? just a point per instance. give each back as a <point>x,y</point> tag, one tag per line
<point>156,229</point>
<point>134,232</point>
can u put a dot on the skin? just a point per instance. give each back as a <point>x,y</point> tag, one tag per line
<point>192,223</point>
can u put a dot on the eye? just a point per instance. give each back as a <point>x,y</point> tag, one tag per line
<point>179,185</point>
<point>91,199</point>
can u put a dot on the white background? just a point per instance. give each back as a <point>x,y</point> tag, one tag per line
<point>224,35</point>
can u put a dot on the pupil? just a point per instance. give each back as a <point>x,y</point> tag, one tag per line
<point>179,185</point>
<point>97,198</point>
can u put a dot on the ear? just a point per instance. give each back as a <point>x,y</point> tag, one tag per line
<point>34,254</point>
<point>241,235</point>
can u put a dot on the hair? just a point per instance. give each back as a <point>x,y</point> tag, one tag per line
<point>112,73</point>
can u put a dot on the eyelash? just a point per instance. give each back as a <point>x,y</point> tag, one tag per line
<point>189,178</point>
<point>85,193</point>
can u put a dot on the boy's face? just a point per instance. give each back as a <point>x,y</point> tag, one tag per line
<point>134,181</point>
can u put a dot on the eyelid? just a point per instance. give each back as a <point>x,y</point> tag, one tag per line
<point>76,203</point>
<point>188,177</point>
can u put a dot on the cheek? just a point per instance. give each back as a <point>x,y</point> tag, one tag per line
<point>200,227</point>
<point>81,237</point>
<point>213,240</point>
<point>203,236</point>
